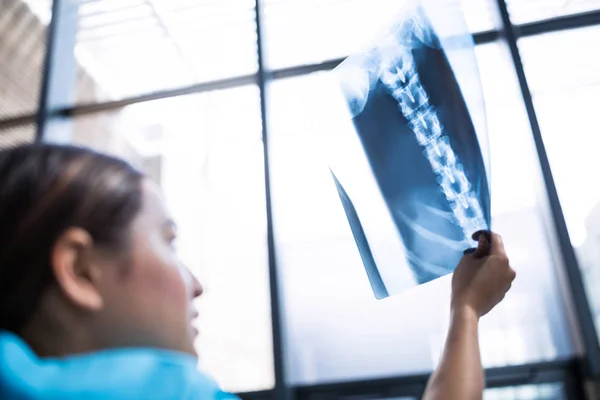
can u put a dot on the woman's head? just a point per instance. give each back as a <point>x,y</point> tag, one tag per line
<point>86,255</point>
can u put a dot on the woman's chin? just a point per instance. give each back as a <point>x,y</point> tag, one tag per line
<point>191,349</point>
<point>193,336</point>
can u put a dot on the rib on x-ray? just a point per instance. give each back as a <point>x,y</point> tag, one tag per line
<point>415,185</point>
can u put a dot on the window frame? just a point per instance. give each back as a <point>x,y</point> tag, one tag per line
<point>54,118</point>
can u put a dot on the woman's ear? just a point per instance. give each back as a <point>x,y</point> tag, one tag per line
<point>74,270</point>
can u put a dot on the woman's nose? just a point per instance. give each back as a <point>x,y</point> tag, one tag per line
<point>197,288</point>
<point>193,283</point>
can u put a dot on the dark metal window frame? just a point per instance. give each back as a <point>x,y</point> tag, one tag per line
<point>57,107</point>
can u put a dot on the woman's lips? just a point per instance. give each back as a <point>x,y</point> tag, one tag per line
<point>194,323</point>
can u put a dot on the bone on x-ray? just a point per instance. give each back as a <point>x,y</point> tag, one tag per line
<point>409,154</point>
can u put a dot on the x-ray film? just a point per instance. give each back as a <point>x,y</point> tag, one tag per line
<point>408,153</point>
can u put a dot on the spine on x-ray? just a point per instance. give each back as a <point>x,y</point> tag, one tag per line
<point>400,76</point>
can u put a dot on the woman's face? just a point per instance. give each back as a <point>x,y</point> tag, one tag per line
<point>148,300</point>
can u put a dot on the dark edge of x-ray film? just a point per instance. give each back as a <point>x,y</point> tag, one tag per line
<point>361,242</point>
<point>421,145</point>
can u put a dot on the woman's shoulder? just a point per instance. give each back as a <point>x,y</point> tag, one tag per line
<point>110,374</point>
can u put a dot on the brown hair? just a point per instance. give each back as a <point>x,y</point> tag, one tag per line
<point>44,190</point>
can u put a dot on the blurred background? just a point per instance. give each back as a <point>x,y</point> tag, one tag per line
<point>208,98</point>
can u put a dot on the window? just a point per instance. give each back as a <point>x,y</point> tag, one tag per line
<point>22,52</point>
<point>203,147</point>
<point>523,11</point>
<point>334,328</point>
<point>131,47</point>
<point>17,135</point>
<point>565,85</point>
<point>205,151</point>
<point>341,27</point>
<point>545,391</point>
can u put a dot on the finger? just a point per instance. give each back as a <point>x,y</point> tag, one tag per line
<point>477,235</point>
<point>483,247</point>
<point>497,245</point>
<point>470,251</point>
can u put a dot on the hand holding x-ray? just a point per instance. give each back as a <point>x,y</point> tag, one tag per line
<point>409,153</point>
<point>483,277</point>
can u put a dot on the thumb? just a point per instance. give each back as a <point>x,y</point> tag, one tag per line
<point>497,245</point>
<point>484,244</point>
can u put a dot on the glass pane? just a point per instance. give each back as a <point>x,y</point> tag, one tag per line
<point>567,111</point>
<point>340,27</point>
<point>523,11</point>
<point>334,328</point>
<point>17,135</point>
<point>22,52</point>
<point>546,391</point>
<point>131,47</point>
<point>205,150</point>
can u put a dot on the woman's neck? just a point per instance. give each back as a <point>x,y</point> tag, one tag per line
<point>55,332</point>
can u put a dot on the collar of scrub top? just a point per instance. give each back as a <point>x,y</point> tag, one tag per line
<point>109,375</point>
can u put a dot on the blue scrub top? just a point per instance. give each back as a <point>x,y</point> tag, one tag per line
<point>143,374</point>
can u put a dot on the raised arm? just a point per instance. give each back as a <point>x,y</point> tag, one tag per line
<point>480,282</point>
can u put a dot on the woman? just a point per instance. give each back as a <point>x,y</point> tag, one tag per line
<point>94,302</point>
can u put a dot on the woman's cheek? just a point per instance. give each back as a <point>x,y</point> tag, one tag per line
<point>176,286</point>
<point>164,276</point>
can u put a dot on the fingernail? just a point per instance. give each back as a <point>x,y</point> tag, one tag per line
<point>470,251</point>
<point>487,235</point>
<point>483,241</point>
